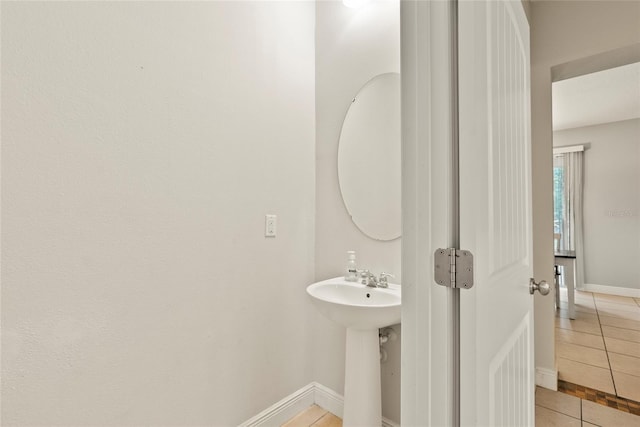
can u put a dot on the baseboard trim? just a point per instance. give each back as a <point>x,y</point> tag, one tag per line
<point>547,378</point>
<point>313,393</point>
<point>328,399</point>
<point>611,290</point>
<point>386,422</point>
<point>278,413</point>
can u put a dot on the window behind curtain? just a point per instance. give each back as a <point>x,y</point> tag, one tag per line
<point>563,209</point>
<point>567,199</point>
<point>559,213</point>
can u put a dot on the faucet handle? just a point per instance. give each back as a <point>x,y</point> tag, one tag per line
<point>368,278</point>
<point>364,275</point>
<point>383,279</point>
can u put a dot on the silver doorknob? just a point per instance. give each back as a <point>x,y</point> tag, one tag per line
<point>542,287</point>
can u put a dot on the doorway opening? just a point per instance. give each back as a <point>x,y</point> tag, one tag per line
<point>596,139</point>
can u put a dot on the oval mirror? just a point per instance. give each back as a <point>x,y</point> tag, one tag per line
<point>369,158</point>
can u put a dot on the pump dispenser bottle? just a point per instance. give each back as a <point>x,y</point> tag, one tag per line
<point>352,275</point>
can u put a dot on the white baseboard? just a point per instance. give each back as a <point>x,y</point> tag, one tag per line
<point>282,411</point>
<point>329,400</point>
<point>313,393</point>
<point>386,422</point>
<point>611,290</point>
<point>547,378</point>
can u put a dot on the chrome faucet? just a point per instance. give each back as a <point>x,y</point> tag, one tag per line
<point>369,279</point>
<point>383,282</point>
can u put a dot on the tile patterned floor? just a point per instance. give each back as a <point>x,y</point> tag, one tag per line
<point>600,349</point>
<point>606,399</point>
<point>554,408</point>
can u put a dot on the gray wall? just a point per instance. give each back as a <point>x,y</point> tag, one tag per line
<point>611,200</point>
<point>142,145</point>
<point>352,46</point>
<point>562,31</point>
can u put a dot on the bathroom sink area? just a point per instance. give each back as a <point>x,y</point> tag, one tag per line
<point>362,310</point>
<point>355,305</point>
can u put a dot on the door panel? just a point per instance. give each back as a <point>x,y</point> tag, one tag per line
<point>509,380</point>
<point>497,372</point>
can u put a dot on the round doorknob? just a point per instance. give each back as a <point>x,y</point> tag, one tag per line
<point>542,287</point>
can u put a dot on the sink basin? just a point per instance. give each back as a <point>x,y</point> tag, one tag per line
<point>362,310</point>
<point>355,305</point>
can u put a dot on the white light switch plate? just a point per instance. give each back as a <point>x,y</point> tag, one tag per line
<point>270,225</point>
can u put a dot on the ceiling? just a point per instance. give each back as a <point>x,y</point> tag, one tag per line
<point>606,96</point>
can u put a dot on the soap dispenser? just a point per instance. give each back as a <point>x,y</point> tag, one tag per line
<point>352,275</point>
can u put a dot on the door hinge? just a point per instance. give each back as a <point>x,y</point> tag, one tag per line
<point>453,268</point>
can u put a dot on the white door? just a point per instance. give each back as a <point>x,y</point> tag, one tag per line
<point>496,316</point>
<point>497,366</point>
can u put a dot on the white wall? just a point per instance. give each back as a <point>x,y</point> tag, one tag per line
<point>562,31</point>
<point>611,200</point>
<point>142,145</point>
<point>352,46</point>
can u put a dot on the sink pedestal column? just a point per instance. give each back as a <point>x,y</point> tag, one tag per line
<point>362,391</point>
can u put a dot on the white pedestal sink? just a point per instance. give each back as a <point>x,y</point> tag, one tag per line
<point>362,310</point>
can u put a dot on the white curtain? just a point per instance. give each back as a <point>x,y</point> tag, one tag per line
<point>571,227</point>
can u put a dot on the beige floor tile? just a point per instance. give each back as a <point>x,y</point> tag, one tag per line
<point>586,375</point>
<point>631,305</point>
<point>584,293</point>
<point>548,418</point>
<point>563,312</point>
<point>620,323</point>
<point>582,300</point>
<point>586,424</point>
<point>613,298</point>
<point>621,333</point>
<point>579,308</point>
<point>580,338</point>
<point>621,314</point>
<point>329,420</point>
<point>623,363</point>
<point>623,347</point>
<point>557,401</point>
<point>307,417</point>
<point>580,353</point>
<point>587,317</point>
<point>613,307</point>
<point>607,417</point>
<point>582,309</point>
<point>579,325</point>
<point>585,301</point>
<point>580,315</point>
<point>628,386</point>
